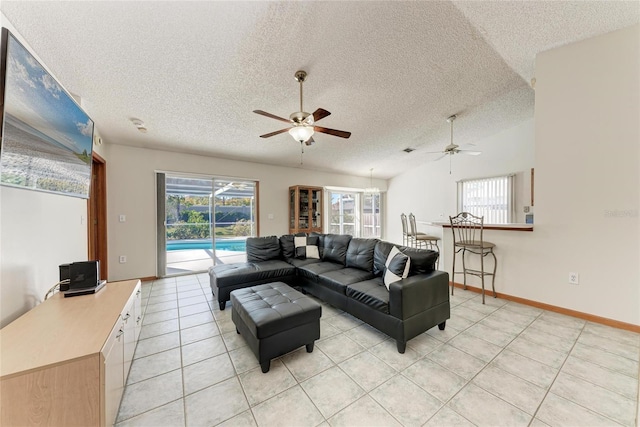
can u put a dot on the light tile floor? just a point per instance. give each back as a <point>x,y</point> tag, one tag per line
<point>498,364</point>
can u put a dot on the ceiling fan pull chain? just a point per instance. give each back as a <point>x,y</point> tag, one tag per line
<point>301,151</point>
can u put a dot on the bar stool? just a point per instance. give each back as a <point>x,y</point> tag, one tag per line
<point>467,232</point>
<point>423,240</point>
<point>406,238</point>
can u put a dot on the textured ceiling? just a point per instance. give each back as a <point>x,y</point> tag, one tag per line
<point>389,72</point>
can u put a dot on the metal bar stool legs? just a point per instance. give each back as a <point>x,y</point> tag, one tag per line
<point>467,230</point>
<point>492,274</point>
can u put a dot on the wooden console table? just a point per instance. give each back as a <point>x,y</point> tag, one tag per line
<point>66,361</point>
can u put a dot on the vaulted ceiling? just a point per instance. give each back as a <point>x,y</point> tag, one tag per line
<point>389,72</point>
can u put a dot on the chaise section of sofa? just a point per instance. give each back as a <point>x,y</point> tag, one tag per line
<point>264,265</point>
<point>348,273</point>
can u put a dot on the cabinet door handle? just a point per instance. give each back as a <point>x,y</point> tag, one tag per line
<point>120,332</point>
<point>126,317</point>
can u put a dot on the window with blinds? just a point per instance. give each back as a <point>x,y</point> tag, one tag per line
<point>492,198</point>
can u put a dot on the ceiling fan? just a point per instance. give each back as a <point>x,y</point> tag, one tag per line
<point>452,148</point>
<point>302,123</point>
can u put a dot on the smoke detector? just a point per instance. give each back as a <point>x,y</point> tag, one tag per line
<point>139,124</point>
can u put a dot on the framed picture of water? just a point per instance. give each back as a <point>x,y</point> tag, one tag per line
<point>46,138</point>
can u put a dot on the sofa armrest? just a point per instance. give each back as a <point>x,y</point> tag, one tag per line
<point>415,294</point>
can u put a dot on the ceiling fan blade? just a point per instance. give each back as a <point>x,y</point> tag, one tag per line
<point>441,157</point>
<point>334,132</point>
<point>267,135</point>
<point>310,141</point>
<point>320,114</point>
<point>264,113</point>
<point>470,152</point>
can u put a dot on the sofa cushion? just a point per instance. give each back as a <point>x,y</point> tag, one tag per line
<point>287,245</point>
<point>320,241</point>
<point>334,247</point>
<point>306,247</point>
<point>397,267</point>
<point>372,293</point>
<point>311,271</point>
<point>300,262</point>
<point>423,261</point>
<point>360,253</point>
<point>263,249</point>
<point>337,280</point>
<point>224,275</point>
<point>380,254</point>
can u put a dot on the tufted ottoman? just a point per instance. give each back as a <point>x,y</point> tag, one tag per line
<point>275,319</point>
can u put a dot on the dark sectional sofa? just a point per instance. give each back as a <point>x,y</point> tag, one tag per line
<point>348,275</point>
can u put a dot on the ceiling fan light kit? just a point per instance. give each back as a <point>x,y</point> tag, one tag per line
<point>301,133</point>
<point>371,189</point>
<point>302,123</point>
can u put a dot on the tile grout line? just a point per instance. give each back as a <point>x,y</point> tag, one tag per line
<point>486,365</point>
<point>558,374</point>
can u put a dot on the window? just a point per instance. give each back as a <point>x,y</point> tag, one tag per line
<point>492,198</point>
<point>356,213</point>
<point>343,213</point>
<point>371,215</point>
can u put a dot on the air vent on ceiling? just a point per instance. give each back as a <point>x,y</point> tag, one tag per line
<point>408,150</point>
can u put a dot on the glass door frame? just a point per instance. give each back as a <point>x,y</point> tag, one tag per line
<point>161,233</point>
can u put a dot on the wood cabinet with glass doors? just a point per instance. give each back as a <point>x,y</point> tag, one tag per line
<point>305,209</point>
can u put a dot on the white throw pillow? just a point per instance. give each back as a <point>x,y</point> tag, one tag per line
<point>396,267</point>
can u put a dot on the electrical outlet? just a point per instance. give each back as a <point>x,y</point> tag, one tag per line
<point>123,218</point>
<point>574,278</point>
<point>123,259</point>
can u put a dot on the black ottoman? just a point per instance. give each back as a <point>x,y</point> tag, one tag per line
<point>275,319</point>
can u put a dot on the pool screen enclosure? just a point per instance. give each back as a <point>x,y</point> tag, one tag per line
<point>203,221</point>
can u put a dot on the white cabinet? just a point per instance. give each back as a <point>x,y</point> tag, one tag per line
<point>113,368</point>
<point>138,306</point>
<point>131,326</point>
<point>66,361</point>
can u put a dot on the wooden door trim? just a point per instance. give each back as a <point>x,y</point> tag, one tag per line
<point>99,169</point>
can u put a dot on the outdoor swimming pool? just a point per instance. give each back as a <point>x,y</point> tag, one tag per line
<point>235,245</point>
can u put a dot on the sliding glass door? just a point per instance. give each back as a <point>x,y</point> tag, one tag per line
<point>203,221</point>
<point>234,207</point>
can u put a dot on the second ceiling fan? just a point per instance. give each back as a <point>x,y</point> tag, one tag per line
<point>302,123</point>
<point>452,148</point>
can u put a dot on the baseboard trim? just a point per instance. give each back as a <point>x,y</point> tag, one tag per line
<point>561,310</point>
<point>148,278</point>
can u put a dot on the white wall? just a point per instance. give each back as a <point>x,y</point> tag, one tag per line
<point>586,160</point>
<point>131,191</point>
<point>38,232</point>
<point>587,175</point>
